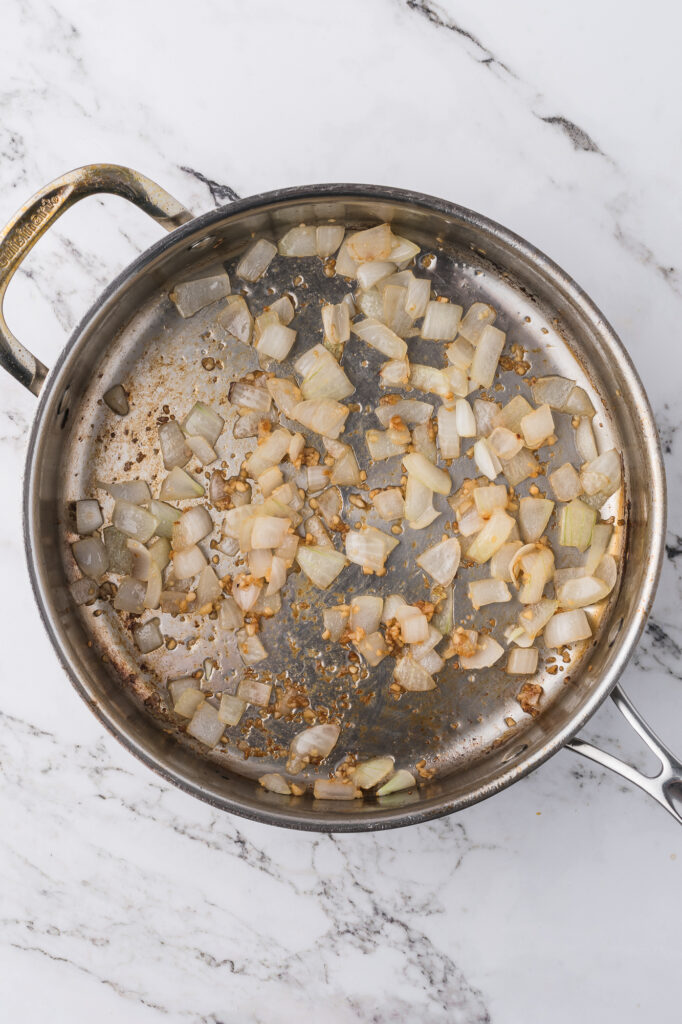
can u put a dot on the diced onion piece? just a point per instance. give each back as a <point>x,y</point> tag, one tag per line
<point>425,519</point>
<point>423,441</point>
<point>345,470</point>
<point>277,576</point>
<point>465,421</point>
<point>487,653</point>
<point>88,516</point>
<point>534,514</point>
<point>486,357</point>
<point>412,676</point>
<point>394,373</point>
<point>448,436</point>
<point>269,532</point>
<point>191,296</point>
<point>188,562</point>
<point>316,742</point>
<point>256,260</point>
<point>324,378</point>
<point>538,567</point>
<point>335,789</point>
<point>276,342</point>
<point>381,446</point>
<point>389,504</point>
<point>552,391</point>
<point>231,709</point>
<point>91,556</point>
<point>371,303</point>
<point>320,564</point>
<point>246,396</point>
<point>417,298</point>
<point>537,427</point>
<point>269,452</point>
<point>188,700</point>
<point>501,560</point>
<point>251,651</point>
<point>148,636</point>
<point>410,410</point>
<point>601,477</point>
<point>230,615</point>
<point>420,650</point>
<point>534,618</point>
<point>205,725</point>
<point>441,561</point>
<point>488,498</point>
<point>565,482</point>
<point>369,774</point>
<point>273,781</point>
<point>522,661</point>
<point>246,592</point>
<point>520,467</point>
<point>369,547</point>
<point>607,572</point>
<point>84,590</point>
<point>585,443</point>
<point>191,527</point>
<point>430,379</point>
<point>248,424</point>
<point>443,619</point>
<point>336,621</point>
<point>130,596</point>
<point>134,521</point>
<point>441,321</point>
<point>567,628</point>
<point>270,480</point>
<point>324,416</point>
<point>579,403</point>
<point>288,549</point>
<point>418,498</point>
<point>485,414</point>
<point>580,592</point>
<point>403,251</point>
<point>208,591</point>
<point>487,462</point>
<point>601,537</point>
<point>329,505</point>
<point>205,422</point>
<point>491,537</point>
<point>336,326</point>
<point>414,626</point>
<point>576,525</point>
<point>432,662</point>
<point>510,415</point>
<point>314,529</point>
<point>328,238</point>
<point>391,605</point>
<point>345,266</point>
<point>201,449</point>
<point>365,613</point>
<point>469,520</point>
<point>299,241</point>
<point>490,591</point>
<point>476,319</point>
<point>371,244</point>
<point>142,559</point>
<point>284,308</point>
<point>426,473</point>
<point>178,485</point>
<point>165,516</point>
<point>394,314</point>
<point>380,337</point>
<point>117,400</point>
<point>505,443</point>
<point>134,491</point>
<point>397,783</point>
<point>235,320</point>
<point>372,647</point>
<point>119,558</point>
<point>369,274</point>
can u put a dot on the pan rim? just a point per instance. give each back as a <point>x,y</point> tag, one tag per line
<point>564,284</point>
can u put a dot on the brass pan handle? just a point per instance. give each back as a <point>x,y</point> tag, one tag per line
<point>33,219</point>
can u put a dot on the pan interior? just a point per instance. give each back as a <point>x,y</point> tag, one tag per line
<point>470,731</point>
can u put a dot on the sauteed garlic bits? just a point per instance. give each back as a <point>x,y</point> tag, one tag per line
<point>481,469</point>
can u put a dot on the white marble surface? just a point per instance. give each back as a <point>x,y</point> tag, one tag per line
<point>123,899</point>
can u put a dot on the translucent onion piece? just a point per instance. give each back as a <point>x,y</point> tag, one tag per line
<point>165,516</point>
<point>487,653</point>
<point>391,605</point>
<point>476,319</point>
<point>371,304</point>
<point>246,592</point>
<point>486,357</point>
<point>371,244</point>
<point>412,676</point>
<point>365,613</point>
<point>269,452</point>
<point>84,590</point>
<point>491,537</point>
<point>607,572</point>
<point>276,341</point>
<point>191,527</point>
<point>601,477</point>
<point>432,662</point>
<point>501,560</point>
<point>235,320</point>
<point>335,789</point>
<point>448,436</point>
<point>270,480</point>
<point>205,422</point>
<point>579,403</point>
<point>441,321</point>
<point>283,308</point>
<point>487,462</point>
<point>246,396</point>
<point>336,621</point>
<point>424,442</point>
<point>252,651</point>
<point>394,313</point>
<point>372,647</point>
<point>538,568</point>
<point>381,446</point>
<point>88,516</point>
<point>535,617</point>
<point>320,564</point>
<point>187,701</point>
<point>119,559</point>
<point>134,521</point>
<point>135,491</point>
<point>400,781</point>
<point>491,591</point>
<point>178,485</point>
<point>201,449</point>
<point>428,516</point>
<point>142,559</point>
<point>522,662</point>
<point>433,638</point>
<point>520,467</point>
<point>208,591</point>
<point>231,709</point>
<point>418,498</point>
<point>269,532</point>
<point>435,479</point>
<point>317,742</point>
<point>256,260</point>
<point>565,482</point>
<point>441,561</point>
<point>369,274</point>
<point>465,421</point>
<point>130,596</point>
<point>328,239</point>
<point>191,296</point>
<point>152,598</point>
<point>299,241</point>
<point>537,427</point>
<point>576,525</point>
<point>585,443</point>
<point>345,470</point>
<point>414,626</point>
<point>117,400</point>
<point>485,413</point>
<point>188,562</point>
<point>329,505</point>
<point>91,556</point>
<point>552,391</point>
<point>389,504</point>
<point>336,326</point>
<point>288,549</point>
<point>369,774</point>
<point>369,547</point>
<point>534,514</point>
<point>205,725</point>
<point>324,416</point>
<point>410,410</point>
<point>403,251</point>
<point>567,628</point>
<point>274,782</point>
<point>510,415</point>
<point>381,338</point>
<point>323,377</point>
<point>581,592</point>
<point>230,615</point>
<point>487,499</point>
<point>148,636</point>
<point>443,619</point>
<point>430,379</point>
<point>505,443</point>
<point>601,537</point>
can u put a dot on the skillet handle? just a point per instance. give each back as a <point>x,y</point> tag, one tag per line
<point>666,786</point>
<point>33,219</point>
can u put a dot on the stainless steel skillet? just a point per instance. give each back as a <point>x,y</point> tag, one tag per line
<point>133,334</point>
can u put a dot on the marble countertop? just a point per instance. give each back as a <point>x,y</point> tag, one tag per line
<point>120,897</point>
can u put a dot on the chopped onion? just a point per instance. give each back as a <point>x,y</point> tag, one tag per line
<point>441,561</point>
<point>372,647</point>
<point>565,482</point>
<point>148,636</point>
<point>487,462</point>
<point>235,321</point>
<point>425,519</point>
<point>448,435</point>
<point>512,413</point>
<point>487,499</point>
<point>537,427</point>
<point>389,504</point>
<point>88,516</point>
<point>534,618</point>
<point>579,403</point>
<point>84,590</point>
<point>277,576</point>
<point>230,615</point>
<point>585,443</point>
<point>273,781</point>
<point>323,377</point>
<point>501,560</point>
<point>410,410</point>
<point>403,251</point>
<point>208,591</point>
<point>537,563</point>
<point>91,556</point>
<point>336,621</point>
<point>246,396</point>
<point>567,628</point>
<point>432,662</point>
<point>505,443</point>
<point>414,626</point>
<point>179,484</point>
<point>601,537</point>
<point>380,445</point>
<point>276,341</point>
<point>381,338</point>
<point>552,391</point>
<point>371,244</point>
<point>269,452</point>
<point>423,441</point>
<point>256,260</point>
<point>465,421</point>
<point>580,592</point>
<point>490,591</point>
<point>324,416</point>
<point>534,514</point>
<point>205,725</point>
<point>299,241</point>
<point>328,239</point>
<point>336,326</point>
<point>522,661</point>
<point>491,537</point>
<point>191,527</point>
<point>231,709</point>
<point>370,273</point>
<point>371,303</point>
<point>365,613</point>
<point>270,480</point>
<point>417,298</point>
<point>165,516</point>
<point>607,572</point>
<point>120,560</point>
<point>335,789</point>
<point>191,296</point>
<point>188,699</point>
<point>134,521</point>
<point>369,774</point>
<point>134,491</point>
<point>283,308</point>
<point>252,651</point>
<point>269,532</point>
<point>601,478</point>
<point>469,520</point>
<point>576,525</point>
<point>485,414</point>
<point>394,373</point>
<point>441,321</point>
<point>345,470</point>
<point>246,592</point>
<point>487,653</point>
<point>130,596</point>
<point>400,781</point>
<point>476,319</point>
<point>443,619</point>
<point>426,473</point>
<point>152,597</point>
<point>430,379</point>
<point>418,498</point>
<point>320,564</point>
<point>188,562</point>
<point>369,547</point>
<point>394,314</point>
<point>316,742</point>
<point>329,505</point>
<point>205,422</point>
<point>412,676</point>
<point>486,357</point>
<point>520,467</point>
<point>142,559</point>
<point>117,400</point>
<point>201,449</point>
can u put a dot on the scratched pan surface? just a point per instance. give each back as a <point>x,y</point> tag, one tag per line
<point>470,731</point>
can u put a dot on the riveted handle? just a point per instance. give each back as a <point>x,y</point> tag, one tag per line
<point>33,219</point>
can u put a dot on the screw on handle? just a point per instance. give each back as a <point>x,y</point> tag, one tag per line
<point>33,219</point>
